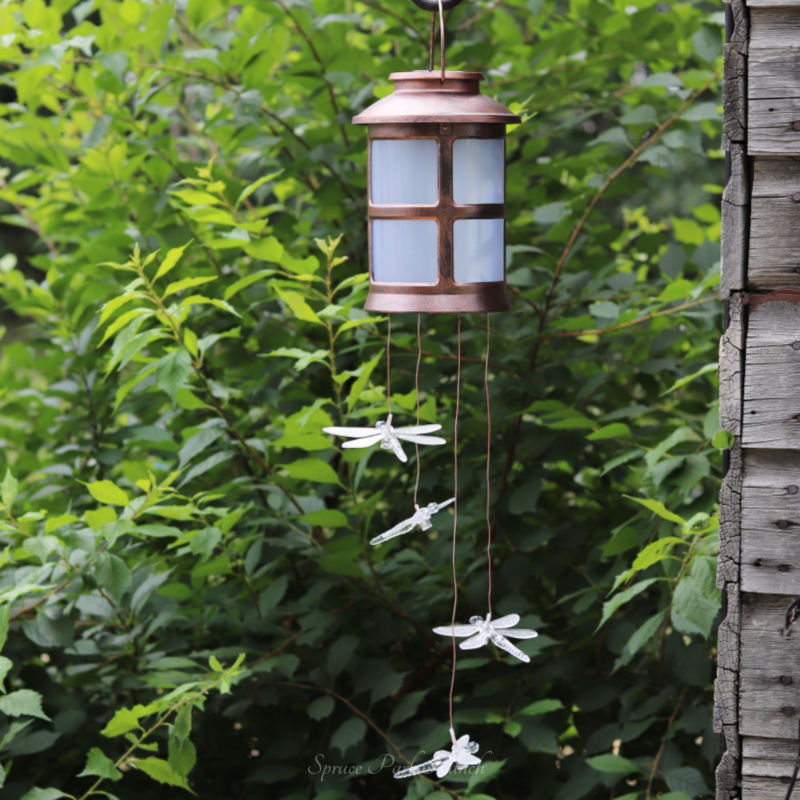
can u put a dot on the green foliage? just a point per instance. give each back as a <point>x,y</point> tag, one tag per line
<point>182,279</point>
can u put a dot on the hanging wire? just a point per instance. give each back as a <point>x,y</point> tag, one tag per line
<point>416,390</point>
<point>441,45</point>
<point>389,363</point>
<point>455,527</point>
<point>488,463</point>
<point>431,46</point>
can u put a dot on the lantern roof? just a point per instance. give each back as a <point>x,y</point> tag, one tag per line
<point>422,96</point>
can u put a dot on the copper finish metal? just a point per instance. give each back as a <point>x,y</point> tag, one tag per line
<point>424,107</point>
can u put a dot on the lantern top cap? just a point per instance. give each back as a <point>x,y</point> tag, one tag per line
<point>422,96</point>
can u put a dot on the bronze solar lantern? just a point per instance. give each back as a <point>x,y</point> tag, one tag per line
<point>436,182</point>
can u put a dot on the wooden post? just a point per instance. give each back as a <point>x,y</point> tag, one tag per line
<point>757,689</point>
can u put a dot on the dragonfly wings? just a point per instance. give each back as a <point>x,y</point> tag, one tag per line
<point>351,432</point>
<point>367,441</point>
<point>456,630</point>
<point>406,526</point>
<point>521,633</point>
<point>415,438</point>
<point>474,642</point>
<point>508,621</point>
<point>414,429</point>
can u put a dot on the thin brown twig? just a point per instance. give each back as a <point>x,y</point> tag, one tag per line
<point>663,741</point>
<point>637,321</point>
<point>316,56</point>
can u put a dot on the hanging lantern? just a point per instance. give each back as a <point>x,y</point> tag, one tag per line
<point>436,195</point>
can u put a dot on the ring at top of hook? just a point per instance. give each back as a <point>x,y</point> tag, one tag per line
<point>433,5</point>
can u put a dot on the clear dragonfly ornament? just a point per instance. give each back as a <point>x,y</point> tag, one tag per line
<point>482,630</point>
<point>461,754</point>
<point>388,437</point>
<point>421,519</point>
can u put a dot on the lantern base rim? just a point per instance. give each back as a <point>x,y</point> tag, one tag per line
<point>488,297</point>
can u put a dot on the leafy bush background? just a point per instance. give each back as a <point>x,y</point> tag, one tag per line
<point>183,279</point>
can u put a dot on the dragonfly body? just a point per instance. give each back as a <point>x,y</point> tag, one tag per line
<point>421,519</point>
<point>461,754</point>
<point>387,437</point>
<point>480,631</point>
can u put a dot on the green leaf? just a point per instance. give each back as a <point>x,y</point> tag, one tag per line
<point>611,763</point>
<point>616,430</point>
<point>182,755</point>
<point>619,599</point>
<point>38,793</point>
<point>100,765</point>
<point>312,469</point>
<point>22,702</point>
<point>686,780</point>
<point>8,489</point>
<point>723,440</point>
<point>541,707</point>
<point>326,517</point>
<point>360,383</point>
<point>640,637</point>
<point>4,618</point>
<point>205,541</point>
<point>113,575</point>
<point>341,653</point>
<point>348,734</point>
<point>99,517</point>
<point>5,666</point>
<point>321,707</point>
<point>272,595</point>
<point>299,307</point>
<point>159,770</point>
<point>170,260</point>
<point>187,283</point>
<point>173,371</point>
<point>183,723</point>
<point>108,492</point>
<point>657,508</point>
<point>124,720</point>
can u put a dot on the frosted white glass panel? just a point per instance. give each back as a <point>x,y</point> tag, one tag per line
<point>478,255</point>
<point>404,171</point>
<point>405,251</point>
<point>478,170</point>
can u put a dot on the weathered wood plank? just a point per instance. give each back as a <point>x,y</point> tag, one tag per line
<point>772,376</point>
<point>772,71</point>
<point>768,758</point>
<point>774,257</point>
<point>769,688</point>
<point>734,114</point>
<point>731,347</point>
<point>770,128</point>
<point>763,789</point>
<point>774,27</point>
<point>773,3</point>
<point>735,223</point>
<point>770,519</point>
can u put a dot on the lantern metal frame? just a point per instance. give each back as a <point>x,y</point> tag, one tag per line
<point>425,106</point>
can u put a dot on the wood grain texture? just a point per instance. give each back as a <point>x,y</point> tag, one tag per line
<point>731,348</point>
<point>768,758</point>
<point>769,692</point>
<point>774,3</point>
<point>763,789</point>
<point>770,520</point>
<point>735,223</point>
<point>771,401</point>
<point>774,27</point>
<point>734,115</point>
<point>770,130</point>
<point>774,252</point>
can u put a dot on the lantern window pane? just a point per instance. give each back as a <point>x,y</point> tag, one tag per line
<point>478,250</point>
<point>478,171</point>
<point>404,171</point>
<point>405,251</point>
